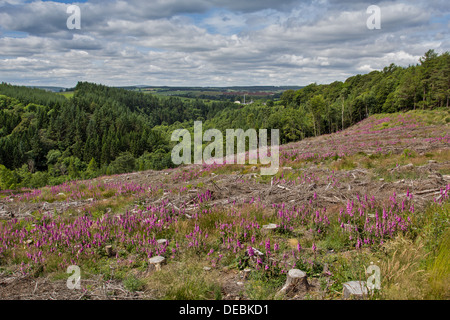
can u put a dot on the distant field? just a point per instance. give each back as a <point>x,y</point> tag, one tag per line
<point>207,94</point>
<point>217,93</point>
<point>67,94</point>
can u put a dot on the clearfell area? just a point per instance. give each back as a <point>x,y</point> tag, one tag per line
<point>369,203</point>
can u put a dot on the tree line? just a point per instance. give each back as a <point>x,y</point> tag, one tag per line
<point>323,109</point>
<point>46,138</point>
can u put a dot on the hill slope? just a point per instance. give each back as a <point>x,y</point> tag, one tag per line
<point>377,191</point>
<point>46,138</point>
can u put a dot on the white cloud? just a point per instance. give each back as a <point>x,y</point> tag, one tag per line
<point>199,42</point>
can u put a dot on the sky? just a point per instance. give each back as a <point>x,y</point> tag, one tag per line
<point>213,42</point>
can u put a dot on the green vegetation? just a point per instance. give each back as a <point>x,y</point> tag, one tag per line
<point>47,138</point>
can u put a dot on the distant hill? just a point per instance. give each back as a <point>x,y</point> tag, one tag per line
<point>48,88</point>
<point>107,130</point>
<point>237,88</point>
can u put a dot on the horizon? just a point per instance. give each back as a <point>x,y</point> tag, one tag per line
<point>155,86</point>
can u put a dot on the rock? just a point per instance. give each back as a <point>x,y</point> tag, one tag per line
<point>207,268</point>
<point>239,283</point>
<point>156,263</point>
<point>296,281</point>
<point>355,289</point>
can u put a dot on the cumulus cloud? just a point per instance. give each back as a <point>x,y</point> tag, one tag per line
<point>218,42</point>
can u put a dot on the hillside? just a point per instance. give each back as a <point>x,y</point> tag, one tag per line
<point>47,138</point>
<point>376,192</point>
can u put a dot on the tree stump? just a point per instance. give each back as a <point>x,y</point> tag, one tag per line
<point>162,241</point>
<point>156,263</point>
<point>296,282</point>
<point>109,251</point>
<point>246,273</point>
<point>269,227</point>
<point>355,290</point>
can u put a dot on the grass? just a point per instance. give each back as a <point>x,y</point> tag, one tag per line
<point>133,284</point>
<point>68,94</point>
<point>262,288</point>
<point>185,281</point>
<point>336,240</point>
<point>109,205</point>
<point>439,270</point>
<point>414,264</point>
<point>437,116</point>
<point>380,164</point>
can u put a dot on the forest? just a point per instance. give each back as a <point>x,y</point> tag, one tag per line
<point>46,138</point>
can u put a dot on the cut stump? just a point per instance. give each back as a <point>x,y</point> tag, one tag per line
<point>156,263</point>
<point>109,251</point>
<point>269,227</point>
<point>162,241</point>
<point>296,282</point>
<point>246,273</point>
<point>355,290</point>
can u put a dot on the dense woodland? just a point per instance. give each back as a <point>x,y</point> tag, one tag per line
<point>46,138</point>
<point>320,109</point>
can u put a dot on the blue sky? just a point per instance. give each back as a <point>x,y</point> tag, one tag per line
<point>213,42</point>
